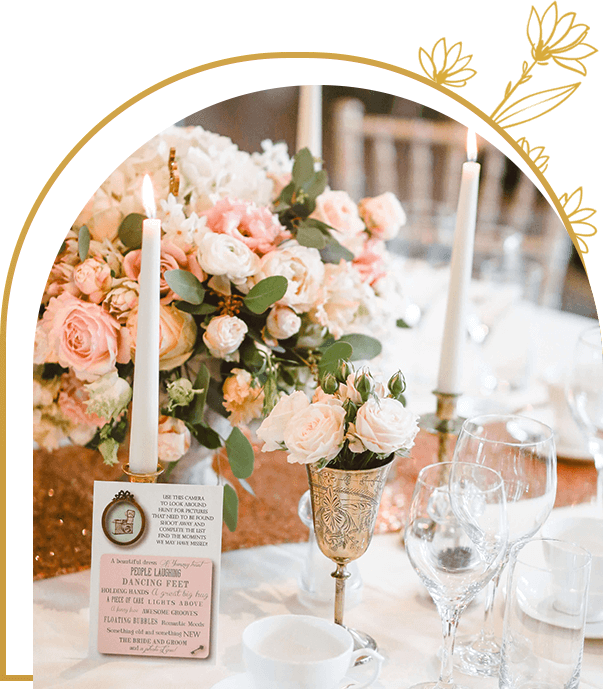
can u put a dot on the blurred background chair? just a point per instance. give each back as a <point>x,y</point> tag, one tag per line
<point>420,160</point>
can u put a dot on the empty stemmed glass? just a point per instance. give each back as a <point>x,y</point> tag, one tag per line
<point>584,390</point>
<point>522,451</point>
<point>455,539</point>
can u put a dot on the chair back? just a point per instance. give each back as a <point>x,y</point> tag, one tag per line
<point>420,160</point>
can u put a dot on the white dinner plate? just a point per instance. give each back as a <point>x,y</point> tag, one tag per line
<point>240,681</point>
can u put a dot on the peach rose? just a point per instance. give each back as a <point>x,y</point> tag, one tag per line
<point>242,399</point>
<point>177,336</point>
<point>256,227</point>
<point>383,215</point>
<point>174,439</point>
<point>336,208</point>
<point>80,335</point>
<point>93,278</point>
<point>172,258</point>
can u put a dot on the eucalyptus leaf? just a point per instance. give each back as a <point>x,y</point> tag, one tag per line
<point>195,309</point>
<point>364,346</point>
<point>83,242</point>
<point>401,323</point>
<point>310,236</point>
<point>316,184</point>
<point>332,355</point>
<point>207,436</point>
<point>334,252</point>
<point>240,454</point>
<point>303,167</point>
<point>186,286</point>
<point>231,507</point>
<point>198,407</point>
<point>266,293</point>
<point>130,230</point>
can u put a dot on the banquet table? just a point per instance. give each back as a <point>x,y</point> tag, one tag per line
<point>257,582</point>
<point>262,580</point>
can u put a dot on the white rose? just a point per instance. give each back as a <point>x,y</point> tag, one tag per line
<point>272,429</point>
<point>282,322</point>
<point>221,254</point>
<point>315,433</point>
<point>109,396</point>
<point>224,335</point>
<point>383,426</point>
<point>304,270</point>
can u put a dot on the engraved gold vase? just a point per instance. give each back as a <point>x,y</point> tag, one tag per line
<point>344,508</point>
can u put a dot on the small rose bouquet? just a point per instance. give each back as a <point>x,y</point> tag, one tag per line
<point>353,422</point>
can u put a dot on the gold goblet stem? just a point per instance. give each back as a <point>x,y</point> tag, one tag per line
<point>340,575</point>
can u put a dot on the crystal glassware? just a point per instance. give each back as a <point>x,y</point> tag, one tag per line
<point>584,390</point>
<point>522,451</point>
<point>455,540</point>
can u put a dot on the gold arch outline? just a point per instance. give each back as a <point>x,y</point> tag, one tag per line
<point>111,116</point>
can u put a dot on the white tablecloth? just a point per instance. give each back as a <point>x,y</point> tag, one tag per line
<point>256,582</point>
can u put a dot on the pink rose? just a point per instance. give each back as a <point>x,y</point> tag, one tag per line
<point>172,258</point>
<point>383,215</point>
<point>80,335</point>
<point>255,227</point>
<point>370,262</point>
<point>72,403</point>
<point>336,208</point>
<point>174,439</point>
<point>93,278</point>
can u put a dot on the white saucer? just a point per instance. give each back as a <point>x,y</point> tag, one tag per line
<point>544,611</point>
<point>594,630</point>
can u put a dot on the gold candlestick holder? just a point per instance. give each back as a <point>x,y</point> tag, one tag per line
<point>143,478</point>
<point>444,423</point>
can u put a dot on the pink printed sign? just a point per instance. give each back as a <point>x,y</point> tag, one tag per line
<point>154,606</point>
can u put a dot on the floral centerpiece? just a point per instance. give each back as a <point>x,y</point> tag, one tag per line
<point>268,278</point>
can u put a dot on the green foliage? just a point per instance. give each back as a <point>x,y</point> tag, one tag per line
<point>83,242</point>
<point>331,356</point>
<point>130,230</point>
<point>266,293</point>
<point>401,323</point>
<point>206,436</point>
<point>364,346</point>
<point>198,406</point>
<point>231,507</point>
<point>195,309</point>
<point>186,286</point>
<point>307,235</point>
<point>240,454</point>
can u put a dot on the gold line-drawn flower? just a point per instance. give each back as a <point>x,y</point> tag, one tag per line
<point>536,154</point>
<point>552,38</point>
<point>559,38</point>
<point>446,67</point>
<point>578,217</point>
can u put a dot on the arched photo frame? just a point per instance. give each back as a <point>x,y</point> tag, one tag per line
<point>85,168</point>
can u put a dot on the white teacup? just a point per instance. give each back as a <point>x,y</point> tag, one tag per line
<point>587,532</point>
<point>303,652</point>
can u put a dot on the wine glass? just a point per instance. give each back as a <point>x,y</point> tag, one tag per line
<point>584,390</point>
<point>455,539</point>
<point>522,451</point>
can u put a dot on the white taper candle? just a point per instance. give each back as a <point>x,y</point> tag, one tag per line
<point>455,326</point>
<point>309,120</point>
<point>145,398</point>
